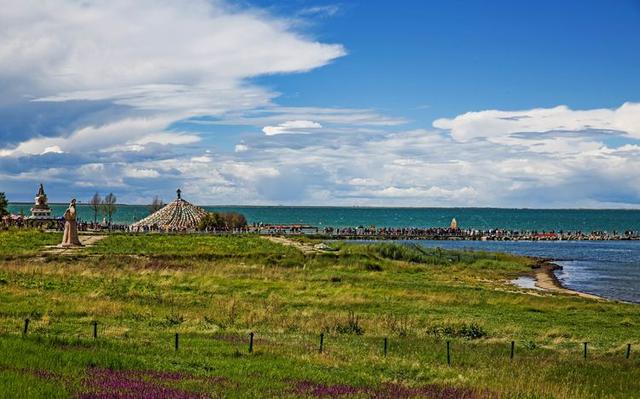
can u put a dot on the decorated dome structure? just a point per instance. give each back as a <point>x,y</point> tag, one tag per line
<point>179,215</point>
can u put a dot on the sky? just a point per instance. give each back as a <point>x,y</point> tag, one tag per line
<point>305,102</point>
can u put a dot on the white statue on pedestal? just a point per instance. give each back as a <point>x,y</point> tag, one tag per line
<point>70,236</point>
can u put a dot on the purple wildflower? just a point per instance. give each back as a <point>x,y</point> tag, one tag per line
<point>145,384</point>
<point>388,391</point>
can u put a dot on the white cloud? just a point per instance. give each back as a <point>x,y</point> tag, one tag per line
<point>147,53</point>
<point>328,10</point>
<point>241,147</point>
<point>495,124</point>
<point>427,193</point>
<point>52,149</point>
<point>124,132</point>
<point>202,159</point>
<point>167,60</point>
<point>140,173</point>
<point>275,115</point>
<point>291,127</point>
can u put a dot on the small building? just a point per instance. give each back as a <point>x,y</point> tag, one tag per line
<point>179,215</point>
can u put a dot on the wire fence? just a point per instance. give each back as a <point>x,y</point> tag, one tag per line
<point>443,350</point>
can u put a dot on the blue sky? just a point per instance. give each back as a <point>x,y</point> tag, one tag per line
<point>427,60</point>
<point>302,102</point>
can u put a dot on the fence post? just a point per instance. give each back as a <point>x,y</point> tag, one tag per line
<point>250,342</point>
<point>177,341</point>
<point>26,326</point>
<point>585,349</point>
<point>95,329</point>
<point>385,346</point>
<point>321,342</point>
<point>513,346</point>
<point>448,353</point>
<point>628,350</point>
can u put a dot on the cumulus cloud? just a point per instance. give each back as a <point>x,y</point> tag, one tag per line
<point>241,147</point>
<point>496,124</point>
<point>141,173</point>
<point>147,53</point>
<point>110,79</point>
<point>291,127</point>
<point>164,61</point>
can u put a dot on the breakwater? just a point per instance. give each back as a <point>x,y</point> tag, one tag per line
<point>444,234</point>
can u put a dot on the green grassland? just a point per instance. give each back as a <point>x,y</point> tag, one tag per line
<point>214,290</point>
<point>18,242</point>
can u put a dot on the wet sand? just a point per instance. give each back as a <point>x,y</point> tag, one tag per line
<point>546,279</point>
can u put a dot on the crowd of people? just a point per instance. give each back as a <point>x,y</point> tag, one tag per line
<point>442,233</point>
<point>57,224</point>
<point>361,232</point>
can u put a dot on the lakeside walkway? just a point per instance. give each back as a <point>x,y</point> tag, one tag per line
<point>378,233</point>
<point>385,233</point>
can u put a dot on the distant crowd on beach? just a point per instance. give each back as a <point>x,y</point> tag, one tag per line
<point>58,224</point>
<point>370,233</point>
<point>444,233</point>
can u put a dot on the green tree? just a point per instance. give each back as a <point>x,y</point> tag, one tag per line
<point>222,221</point>
<point>95,202</point>
<point>234,220</point>
<point>109,206</point>
<point>212,221</point>
<point>3,205</point>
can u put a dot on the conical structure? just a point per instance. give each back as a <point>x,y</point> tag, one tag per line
<point>178,215</point>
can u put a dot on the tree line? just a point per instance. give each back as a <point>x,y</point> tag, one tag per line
<point>107,206</point>
<point>222,221</point>
<point>3,205</point>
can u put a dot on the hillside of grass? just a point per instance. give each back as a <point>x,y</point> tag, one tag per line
<point>215,290</point>
<point>21,242</point>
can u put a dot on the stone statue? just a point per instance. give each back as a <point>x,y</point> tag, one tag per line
<point>70,236</point>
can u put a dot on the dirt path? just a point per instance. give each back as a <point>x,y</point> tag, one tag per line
<point>86,240</point>
<point>305,248</point>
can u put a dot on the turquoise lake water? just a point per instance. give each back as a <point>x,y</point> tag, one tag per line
<point>477,218</point>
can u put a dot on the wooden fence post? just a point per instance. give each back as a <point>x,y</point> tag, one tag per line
<point>95,329</point>
<point>628,351</point>
<point>251,342</point>
<point>513,347</point>
<point>321,342</point>
<point>585,349</point>
<point>177,341</point>
<point>26,326</point>
<point>385,346</point>
<point>448,353</point>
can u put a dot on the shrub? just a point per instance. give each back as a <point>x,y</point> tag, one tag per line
<point>174,319</point>
<point>351,326</point>
<point>372,266</point>
<point>400,325</point>
<point>463,330</point>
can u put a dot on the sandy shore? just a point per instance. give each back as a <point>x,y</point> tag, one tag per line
<point>546,279</point>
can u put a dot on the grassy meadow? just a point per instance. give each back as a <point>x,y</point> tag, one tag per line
<point>214,290</point>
